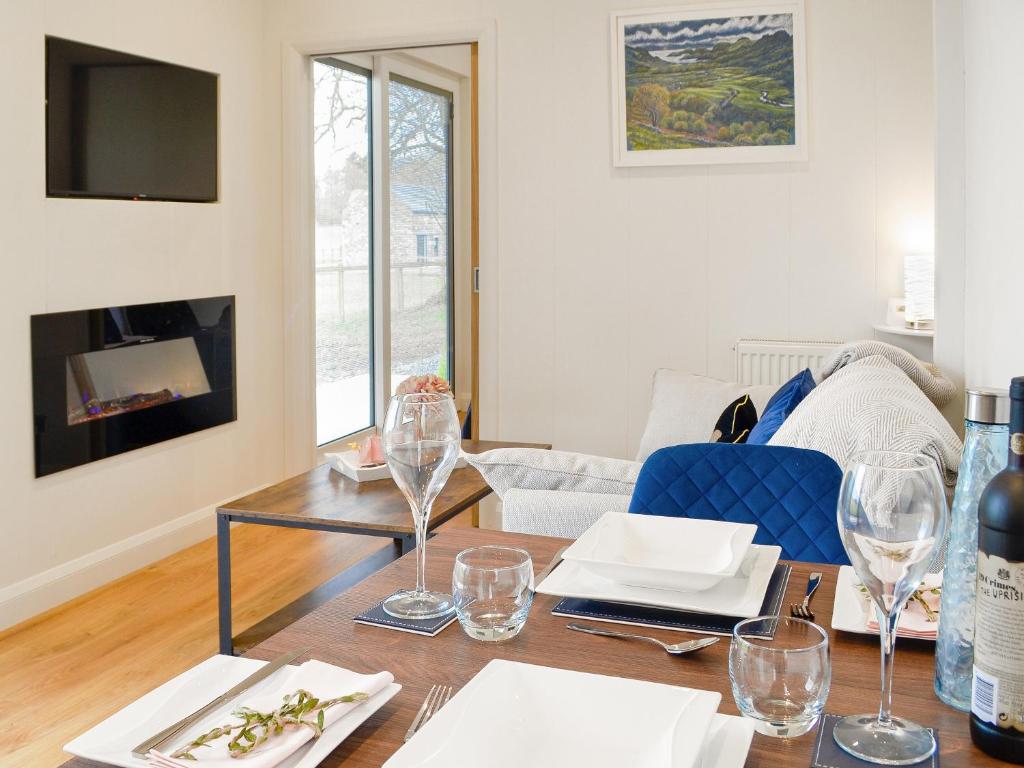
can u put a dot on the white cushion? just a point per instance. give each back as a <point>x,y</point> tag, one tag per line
<point>556,513</point>
<point>685,407</point>
<point>536,469</point>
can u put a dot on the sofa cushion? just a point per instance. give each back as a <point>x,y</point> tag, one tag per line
<point>533,468</point>
<point>782,404</point>
<point>556,513</point>
<point>736,421</point>
<point>684,408</point>
<point>789,493</point>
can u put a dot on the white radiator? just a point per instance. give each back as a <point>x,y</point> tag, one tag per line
<point>767,361</point>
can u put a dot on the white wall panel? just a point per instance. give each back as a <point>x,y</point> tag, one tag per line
<point>64,254</point>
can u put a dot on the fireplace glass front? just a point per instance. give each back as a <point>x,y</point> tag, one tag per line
<point>106,381</point>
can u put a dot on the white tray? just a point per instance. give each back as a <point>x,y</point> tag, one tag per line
<point>347,463</point>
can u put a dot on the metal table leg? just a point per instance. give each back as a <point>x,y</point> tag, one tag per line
<point>224,584</point>
<point>404,545</point>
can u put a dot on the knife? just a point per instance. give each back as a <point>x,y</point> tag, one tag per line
<point>555,561</point>
<point>260,674</point>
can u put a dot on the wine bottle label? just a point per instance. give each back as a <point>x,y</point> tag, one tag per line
<point>997,694</point>
<point>1017,443</point>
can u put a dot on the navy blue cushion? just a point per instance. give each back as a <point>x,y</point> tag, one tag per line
<point>782,403</point>
<point>790,493</point>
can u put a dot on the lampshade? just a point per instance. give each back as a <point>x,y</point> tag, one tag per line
<point>919,287</point>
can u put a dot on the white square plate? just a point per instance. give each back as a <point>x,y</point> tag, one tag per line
<point>111,741</point>
<point>740,596</point>
<point>513,715</point>
<point>850,610</point>
<point>678,553</point>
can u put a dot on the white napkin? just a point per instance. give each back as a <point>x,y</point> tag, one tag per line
<point>324,681</point>
<point>914,620</point>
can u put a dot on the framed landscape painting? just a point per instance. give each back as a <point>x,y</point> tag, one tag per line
<point>709,83</point>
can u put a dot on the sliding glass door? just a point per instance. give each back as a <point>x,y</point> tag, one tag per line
<point>420,162</point>
<point>375,124</point>
<point>343,246</point>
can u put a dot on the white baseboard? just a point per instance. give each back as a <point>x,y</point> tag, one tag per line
<point>42,591</point>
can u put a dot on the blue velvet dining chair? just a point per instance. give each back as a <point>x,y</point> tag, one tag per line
<point>790,493</point>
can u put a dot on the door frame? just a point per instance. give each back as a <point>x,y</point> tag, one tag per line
<point>297,231</point>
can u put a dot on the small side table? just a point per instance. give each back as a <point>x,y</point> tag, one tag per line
<point>324,500</point>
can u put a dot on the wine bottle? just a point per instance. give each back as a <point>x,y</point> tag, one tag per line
<point>997,692</point>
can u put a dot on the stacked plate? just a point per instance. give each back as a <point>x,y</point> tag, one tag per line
<point>512,715</point>
<point>682,564</point>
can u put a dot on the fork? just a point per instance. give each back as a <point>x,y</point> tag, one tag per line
<point>803,610</point>
<point>436,698</point>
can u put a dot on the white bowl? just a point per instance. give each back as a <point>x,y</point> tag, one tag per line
<point>676,553</point>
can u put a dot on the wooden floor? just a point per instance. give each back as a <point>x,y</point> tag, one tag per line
<point>69,668</point>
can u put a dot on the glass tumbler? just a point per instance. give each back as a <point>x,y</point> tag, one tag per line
<point>493,590</point>
<point>780,683</point>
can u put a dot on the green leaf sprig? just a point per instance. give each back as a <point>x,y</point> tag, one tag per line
<point>299,710</point>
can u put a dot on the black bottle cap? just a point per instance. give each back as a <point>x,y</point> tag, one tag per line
<point>1017,388</point>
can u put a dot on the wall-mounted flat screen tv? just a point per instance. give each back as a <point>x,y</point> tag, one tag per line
<point>126,127</point>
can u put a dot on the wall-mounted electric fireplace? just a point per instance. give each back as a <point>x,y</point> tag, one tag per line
<point>106,381</point>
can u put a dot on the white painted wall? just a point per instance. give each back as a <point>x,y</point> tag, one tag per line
<point>604,274</point>
<point>66,533</point>
<point>950,264</point>
<point>994,198</point>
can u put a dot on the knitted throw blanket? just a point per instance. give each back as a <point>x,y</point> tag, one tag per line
<point>939,389</point>
<point>871,404</point>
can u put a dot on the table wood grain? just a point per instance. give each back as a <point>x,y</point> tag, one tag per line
<point>327,498</point>
<point>453,658</point>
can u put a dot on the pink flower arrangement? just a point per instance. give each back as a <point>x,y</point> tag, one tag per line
<point>427,383</point>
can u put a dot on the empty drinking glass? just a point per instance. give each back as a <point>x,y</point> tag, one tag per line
<point>421,440</point>
<point>493,591</point>
<point>780,683</point>
<point>892,514</point>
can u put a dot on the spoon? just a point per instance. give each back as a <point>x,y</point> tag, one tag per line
<point>677,649</point>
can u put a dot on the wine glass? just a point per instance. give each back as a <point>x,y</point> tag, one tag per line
<point>421,440</point>
<point>892,514</point>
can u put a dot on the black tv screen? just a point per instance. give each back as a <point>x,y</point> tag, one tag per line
<point>127,127</point>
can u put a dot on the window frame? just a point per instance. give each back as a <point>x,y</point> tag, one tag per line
<point>348,65</point>
<point>381,70</point>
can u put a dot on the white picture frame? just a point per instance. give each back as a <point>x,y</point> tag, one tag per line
<point>658,28</point>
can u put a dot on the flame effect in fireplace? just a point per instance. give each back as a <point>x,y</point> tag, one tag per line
<point>120,380</point>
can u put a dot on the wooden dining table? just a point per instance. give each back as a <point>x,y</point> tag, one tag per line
<point>452,658</point>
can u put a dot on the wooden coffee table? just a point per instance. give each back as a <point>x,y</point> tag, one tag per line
<point>325,500</point>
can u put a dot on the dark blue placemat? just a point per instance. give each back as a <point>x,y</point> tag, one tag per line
<point>664,618</point>
<point>828,754</point>
<point>376,617</point>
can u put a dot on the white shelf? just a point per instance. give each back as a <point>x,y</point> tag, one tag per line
<point>898,330</point>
